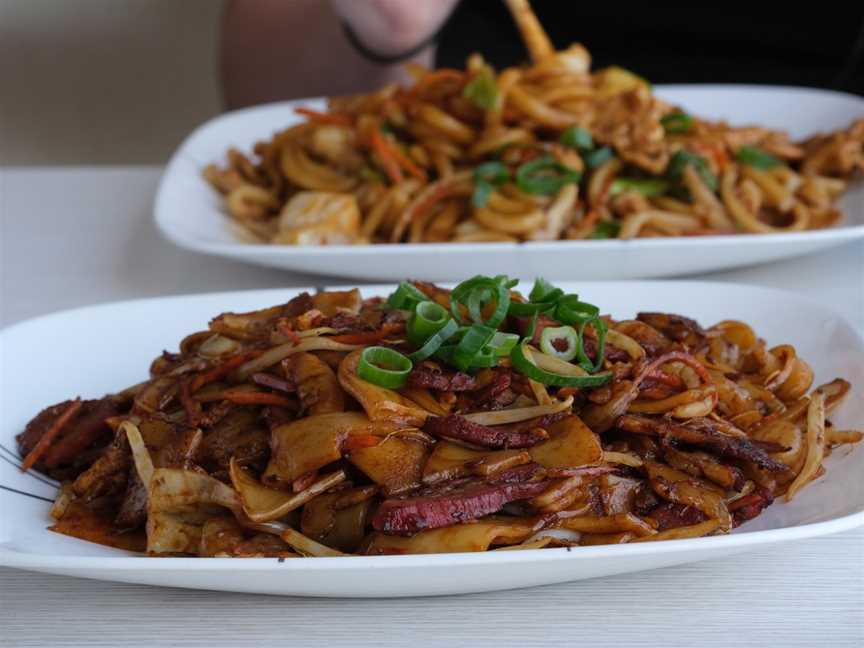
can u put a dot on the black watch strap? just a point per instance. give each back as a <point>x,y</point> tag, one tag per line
<point>387,59</point>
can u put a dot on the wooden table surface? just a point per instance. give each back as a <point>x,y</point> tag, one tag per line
<point>76,236</point>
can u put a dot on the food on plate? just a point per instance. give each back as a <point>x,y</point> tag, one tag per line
<point>547,151</point>
<point>438,420</point>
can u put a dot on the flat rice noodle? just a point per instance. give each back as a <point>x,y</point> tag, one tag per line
<point>381,404</point>
<point>313,442</point>
<point>617,493</point>
<point>678,487</point>
<point>179,502</point>
<point>450,461</point>
<point>342,529</point>
<point>263,504</point>
<point>396,464</point>
<point>317,385</point>
<point>478,535</point>
<point>593,539</point>
<point>332,302</point>
<point>220,535</point>
<point>571,444</point>
<point>680,533</point>
<point>618,523</point>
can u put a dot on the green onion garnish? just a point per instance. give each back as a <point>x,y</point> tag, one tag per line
<point>487,176</point>
<point>648,187</point>
<point>584,361</point>
<point>503,343</point>
<point>597,157</point>
<point>473,343</point>
<point>427,319</point>
<point>578,138</point>
<point>475,293</point>
<point>527,368</point>
<point>572,311</point>
<point>757,158</point>
<point>384,367</point>
<point>406,297</point>
<point>554,337</point>
<point>677,122</point>
<point>544,176</point>
<point>605,230</point>
<point>482,90</point>
<point>679,162</point>
<point>435,341</point>
<point>543,291</point>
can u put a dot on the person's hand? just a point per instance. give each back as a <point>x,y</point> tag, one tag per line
<point>393,26</point>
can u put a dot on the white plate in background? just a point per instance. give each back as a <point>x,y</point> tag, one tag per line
<point>189,211</point>
<point>99,349</point>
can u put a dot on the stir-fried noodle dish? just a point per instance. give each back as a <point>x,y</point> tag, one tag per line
<point>542,152</point>
<point>438,420</point>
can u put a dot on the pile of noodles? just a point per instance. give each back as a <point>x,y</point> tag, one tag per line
<point>263,436</point>
<point>547,151</point>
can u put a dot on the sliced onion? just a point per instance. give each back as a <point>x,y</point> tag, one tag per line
<point>502,417</point>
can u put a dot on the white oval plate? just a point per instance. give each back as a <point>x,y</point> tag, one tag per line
<point>190,213</point>
<point>95,350</point>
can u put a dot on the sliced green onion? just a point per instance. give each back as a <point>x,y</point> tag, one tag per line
<point>648,187</point>
<point>572,311</point>
<point>384,367</point>
<point>551,338</point>
<point>757,158</point>
<point>545,176</point>
<point>426,320</point>
<point>677,122</point>
<point>584,361</point>
<point>434,343</point>
<point>605,230</point>
<point>597,157</point>
<point>473,342</point>
<point>487,176</point>
<point>532,327</point>
<point>475,293</point>
<point>502,343</point>
<point>524,366</point>
<point>543,291</point>
<point>406,297</point>
<point>679,161</point>
<point>482,90</point>
<point>578,138</point>
<point>524,309</point>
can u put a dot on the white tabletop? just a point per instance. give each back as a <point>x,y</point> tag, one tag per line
<point>76,236</point>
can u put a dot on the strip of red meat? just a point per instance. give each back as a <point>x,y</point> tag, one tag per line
<point>426,377</point>
<point>459,428</point>
<point>77,435</point>
<point>475,500</point>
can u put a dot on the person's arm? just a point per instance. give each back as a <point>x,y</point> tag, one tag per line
<point>285,49</point>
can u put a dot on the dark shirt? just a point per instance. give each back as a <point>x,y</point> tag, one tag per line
<point>805,45</point>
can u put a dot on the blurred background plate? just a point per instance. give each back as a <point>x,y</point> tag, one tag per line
<point>189,212</point>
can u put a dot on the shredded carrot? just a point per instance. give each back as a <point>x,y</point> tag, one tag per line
<point>246,397</point>
<point>406,162</point>
<point>368,337</point>
<point>337,119</point>
<point>192,407</point>
<point>288,332</point>
<point>222,370</point>
<point>385,156</point>
<point>437,76</point>
<point>359,441</point>
<point>667,379</point>
<point>50,434</point>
